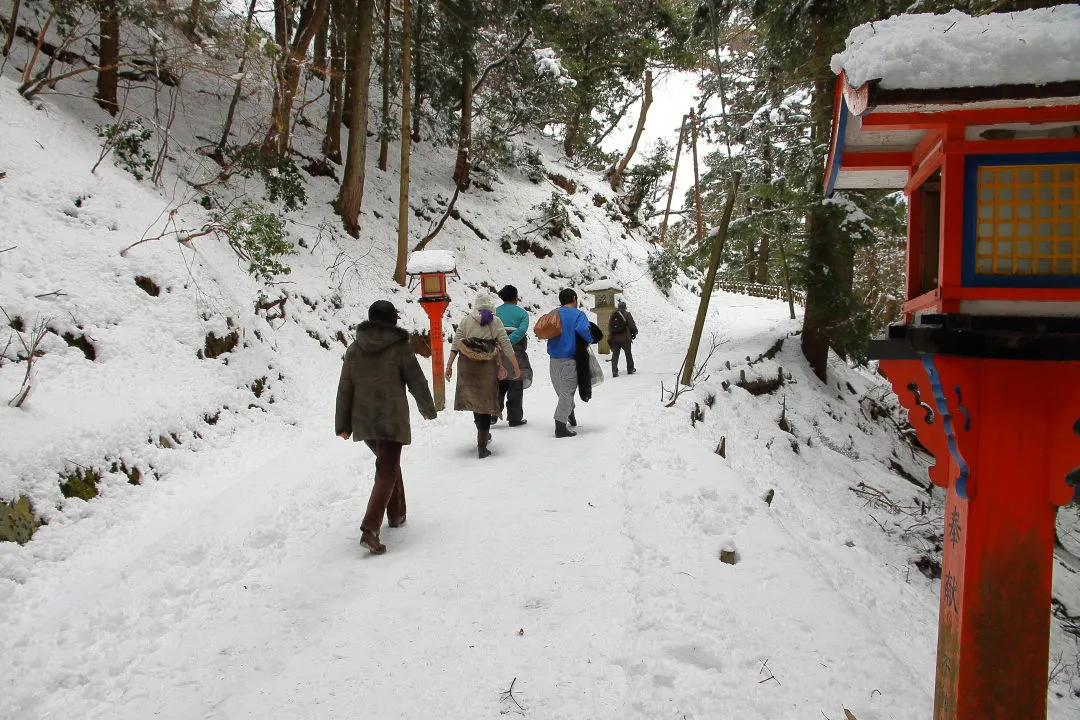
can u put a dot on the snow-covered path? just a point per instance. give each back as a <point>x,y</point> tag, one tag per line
<point>585,568</point>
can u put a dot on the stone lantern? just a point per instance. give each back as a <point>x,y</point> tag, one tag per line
<point>604,306</point>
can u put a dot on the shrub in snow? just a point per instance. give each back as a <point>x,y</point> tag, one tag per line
<point>664,267</point>
<point>258,237</point>
<point>554,215</point>
<point>279,174</point>
<point>17,521</point>
<point>126,140</point>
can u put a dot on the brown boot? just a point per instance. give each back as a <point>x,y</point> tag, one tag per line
<point>371,541</point>
<point>482,440</point>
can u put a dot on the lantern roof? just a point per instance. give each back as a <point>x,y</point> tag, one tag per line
<point>987,73</point>
<point>602,286</point>
<point>424,262</point>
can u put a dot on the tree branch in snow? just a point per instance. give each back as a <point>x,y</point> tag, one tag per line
<point>442,221</point>
<point>501,61</point>
<point>31,343</point>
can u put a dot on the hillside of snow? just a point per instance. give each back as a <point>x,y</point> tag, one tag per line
<point>217,572</point>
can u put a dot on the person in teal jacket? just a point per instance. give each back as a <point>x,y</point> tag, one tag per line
<point>516,322</point>
<point>563,352</point>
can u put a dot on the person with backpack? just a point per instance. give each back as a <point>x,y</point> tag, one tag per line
<point>561,328</point>
<point>622,330</point>
<point>372,406</point>
<point>478,341</point>
<point>516,322</point>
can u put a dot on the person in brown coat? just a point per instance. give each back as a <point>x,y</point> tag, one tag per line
<point>371,406</point>
<point>478,340</point>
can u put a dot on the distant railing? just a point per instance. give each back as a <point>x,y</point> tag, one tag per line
<point>774,292</point>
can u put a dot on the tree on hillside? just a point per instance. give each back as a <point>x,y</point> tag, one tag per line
<point>359,16</point>
<point>295,25</point>
<point>606,45</point>
<point>336,47</point>
<point>108,56</point>
<point>800,40</point>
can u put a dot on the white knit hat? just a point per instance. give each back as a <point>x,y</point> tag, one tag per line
<point>483,301</point>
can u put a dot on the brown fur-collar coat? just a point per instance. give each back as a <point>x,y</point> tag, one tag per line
<point>378,367</point>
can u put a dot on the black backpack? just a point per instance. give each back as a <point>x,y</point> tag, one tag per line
<point>618,323</point>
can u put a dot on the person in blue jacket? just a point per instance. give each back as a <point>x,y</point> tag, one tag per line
<point>516,322</point>
<point>562,350</point>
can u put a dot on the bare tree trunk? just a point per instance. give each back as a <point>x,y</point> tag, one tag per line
<point>193,15</point>
<point>28,72</point>
<point>819,316</point>
<point>220,151</point>
<point>699,234</point>
<point>352,185</point>
<point>710,280</point>
<point>11,27</point>
<point>463,163</point>
<point>319,51</point>
<point>287,73</point>
<point>108,59</point>
<point>617,173</point>
<point>332,139</point>
<point>403,199</point>
<point>787,277</point>
<point>418,56</point>
<point>573,127</point>
<point>671,187</point>
<point>384,132</point>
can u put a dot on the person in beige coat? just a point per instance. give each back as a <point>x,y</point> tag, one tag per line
<point>478,339</point>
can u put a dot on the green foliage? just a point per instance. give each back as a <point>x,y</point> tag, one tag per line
<point>664,267</point>
<point>646,178</point>
<point>126,139</point>
<point>554,214</point>
<point>279,174</point>
<point>258,237</point>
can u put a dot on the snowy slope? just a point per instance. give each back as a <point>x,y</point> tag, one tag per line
<point>584,571</point>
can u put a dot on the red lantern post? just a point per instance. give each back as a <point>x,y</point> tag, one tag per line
<point>987,361</point>
<point>433,266</point>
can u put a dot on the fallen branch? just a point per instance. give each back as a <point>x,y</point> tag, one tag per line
<point>442,221</point>
<point>181,238</point>
<point>508,694</point>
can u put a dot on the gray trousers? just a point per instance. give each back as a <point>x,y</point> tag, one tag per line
<point>564,380</point>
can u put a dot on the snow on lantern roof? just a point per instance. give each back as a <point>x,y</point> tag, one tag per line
<point>955,50</point>
<point>430,261</point>
<point>602,286</point>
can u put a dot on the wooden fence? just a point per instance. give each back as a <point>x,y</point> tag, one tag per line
<point>774,292</point>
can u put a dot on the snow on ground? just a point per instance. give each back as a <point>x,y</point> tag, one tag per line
<point>583,573</point>
<point>923,51</point>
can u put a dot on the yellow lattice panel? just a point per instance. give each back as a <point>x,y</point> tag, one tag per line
<point>1028,220</point>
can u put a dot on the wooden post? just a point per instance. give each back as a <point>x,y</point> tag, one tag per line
<point>710,280</point>
<point>435,311</point>
<point>406,137</point>
<point>671,187</point>
<point>1004,438</point>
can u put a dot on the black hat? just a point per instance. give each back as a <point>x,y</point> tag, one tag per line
<point>383,311</point>
<point>509,293</point>
<point>622,305</point>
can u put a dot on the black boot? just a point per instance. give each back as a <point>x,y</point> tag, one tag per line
<point>562,431</point>
<point>482,440</point>
<point>572,421</point>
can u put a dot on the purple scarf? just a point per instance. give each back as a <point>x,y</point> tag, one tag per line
<point>486,316</point>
